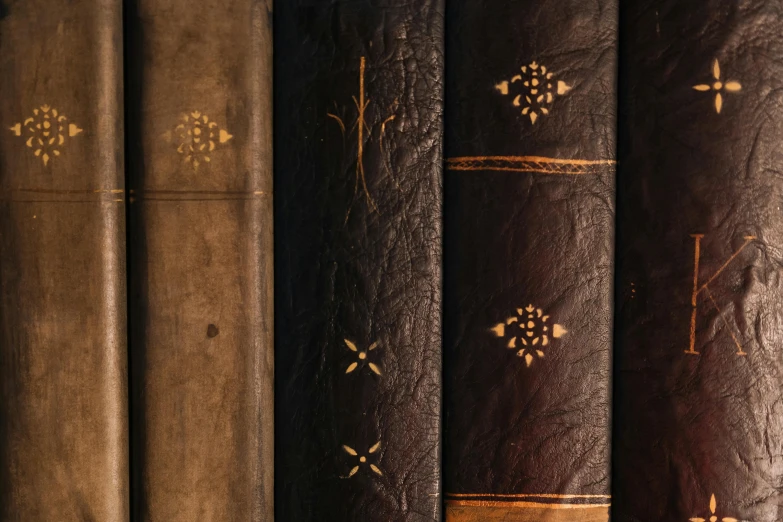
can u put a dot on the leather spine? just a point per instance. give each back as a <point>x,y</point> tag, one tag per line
<point>699,423</point>
<point>200,249</point>
<point>358,141</point>
<point>63,352</point>
<point>530,163</point>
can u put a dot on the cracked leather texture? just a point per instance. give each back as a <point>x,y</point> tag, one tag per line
<point>519,238</point>
<point>692,426</point>
<point>63,352</point>
<point>355,268</point>
<point>200,259</point>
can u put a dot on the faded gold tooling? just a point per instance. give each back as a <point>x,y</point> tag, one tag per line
<point>704,289</point>
<point>47,132</point>
<point>196,137</point>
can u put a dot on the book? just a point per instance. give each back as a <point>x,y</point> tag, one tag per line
<point>529,237</point>
<point>63,350</point>
<point>699,300</point>
<point>358,176</point>
<point>200,259</point>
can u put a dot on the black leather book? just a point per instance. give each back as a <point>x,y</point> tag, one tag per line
<point>530,149</point>
<point>358,211</point>
<point>699,422</point>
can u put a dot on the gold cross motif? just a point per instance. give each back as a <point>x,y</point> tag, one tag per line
<point>713,517</point>
<point>363,459</point>
<point>362,356</point>
<point>718,86</point>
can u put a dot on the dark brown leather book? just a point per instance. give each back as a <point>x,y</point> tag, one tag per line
<point>699,422</point>
<point>358,135</point>
<point>63,351</point>
<point>200,250</point>
<point>530,148</point>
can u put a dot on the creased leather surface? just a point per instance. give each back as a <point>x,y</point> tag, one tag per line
<point>540,237</point>
<point>692,426</point>
<point>63,389</point>
<point>200,248</point>
<point>355,265</point>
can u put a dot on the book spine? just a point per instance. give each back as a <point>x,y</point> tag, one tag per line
<point>699,423</point>
<point>63,353</point>
<point>529,184</point>
<point>200,249</point>
<point>358,144</point>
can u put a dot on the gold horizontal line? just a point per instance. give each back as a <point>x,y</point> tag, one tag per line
<point>535,159</point>
<point>61,200</point>
<point>200,192</point>
<point>528,164</point>
<point>527,169</point>
<point>57,191</point>
<point>133,199</point>
<point>522,495</point>
<point>522,504</point>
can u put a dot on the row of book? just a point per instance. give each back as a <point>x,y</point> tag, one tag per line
<point>512,260</point>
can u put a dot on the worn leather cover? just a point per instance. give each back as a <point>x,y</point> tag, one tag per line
<point>530,147</point>
<point>698,416</point>
<point>63,351</point>
<point>358,142</point>
<point>200,248</point>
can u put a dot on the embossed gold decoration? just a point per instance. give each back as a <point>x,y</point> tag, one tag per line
<point>361,125</point>
<point>363,459</point>
<point>537,164</point>
<point>700,290</point>
<point>528,332</point>
<point>47,131</point>
<point>713,517</point>
<point>718,86</point>
<point>538,90</point>
<point>196,137</point>
<point>362,357</point>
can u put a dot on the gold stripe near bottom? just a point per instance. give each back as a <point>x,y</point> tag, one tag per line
<point>523,511</point>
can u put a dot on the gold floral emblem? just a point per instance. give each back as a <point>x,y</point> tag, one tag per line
<point>713,517</point>
<point>362,357</point>
<point>47,131</point>
<point>534,90</point>
<point>363,459</point>
<point>528,332</point>
<point>196,137</point>
<point>718,86</point>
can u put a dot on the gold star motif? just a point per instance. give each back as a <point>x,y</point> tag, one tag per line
<point>362,357</point>
<point>47,131</point>
<point>528,332</point>
<point>718,86</point>
<point>363,459</point>
<point>713,516</point>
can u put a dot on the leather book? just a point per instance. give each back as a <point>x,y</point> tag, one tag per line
<point>698,420</point>
<point>63,350</point>
<point>529,221</point>
<point>358,166</point>
<point>200,259</point>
